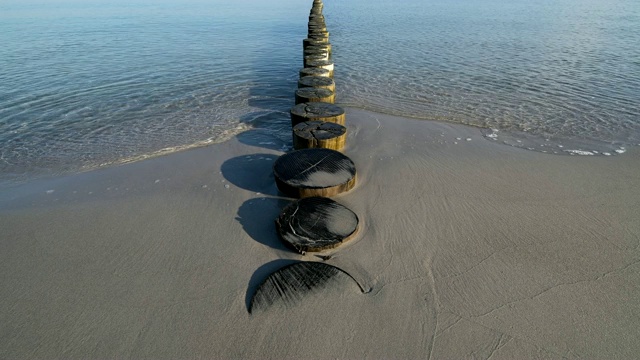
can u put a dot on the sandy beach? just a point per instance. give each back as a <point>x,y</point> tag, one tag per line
<point>470,249</point>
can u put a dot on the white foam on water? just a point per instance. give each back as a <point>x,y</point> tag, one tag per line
<point>579,152</point>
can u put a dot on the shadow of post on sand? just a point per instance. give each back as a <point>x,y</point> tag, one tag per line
<point>257,217</point>
<point>251,172</point>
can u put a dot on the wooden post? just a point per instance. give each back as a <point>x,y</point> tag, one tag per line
<point>319,134</point>
<point>314,172</point>
<point>315,51</point>
<point>314,45</point>
<point>316,27</point>
<point>325,64</point>
<point>309,42</point>
<point>313,72</point>
<point>318,34</point>
<point>319,37</point>
<point>309,94</point>
<point>322,82</point>
<point>314,57</point>
<point>317,111</point>
<point>288,285</point>
<point>315,224</point>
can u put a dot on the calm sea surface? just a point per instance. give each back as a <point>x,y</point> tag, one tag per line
<point>85,84</point>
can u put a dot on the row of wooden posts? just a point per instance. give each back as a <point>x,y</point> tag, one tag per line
<point>316,169</point>
<point>313,172</point>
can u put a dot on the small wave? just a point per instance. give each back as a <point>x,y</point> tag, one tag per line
<point>219,138</point>
<point>554,145</point>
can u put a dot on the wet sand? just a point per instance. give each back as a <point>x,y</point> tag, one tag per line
<point>474,249</point>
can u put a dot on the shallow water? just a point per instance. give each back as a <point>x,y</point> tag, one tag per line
<point>88,84</point>
<point>562,71</point>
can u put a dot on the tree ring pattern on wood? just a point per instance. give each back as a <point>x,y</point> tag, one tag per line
<point>316,223</point>
<point>289,285</point>
<point>314,172</point>
<point>309,94</point>
<point>317,111</point>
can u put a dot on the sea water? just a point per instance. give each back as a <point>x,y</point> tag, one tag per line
<point>85,84</point>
